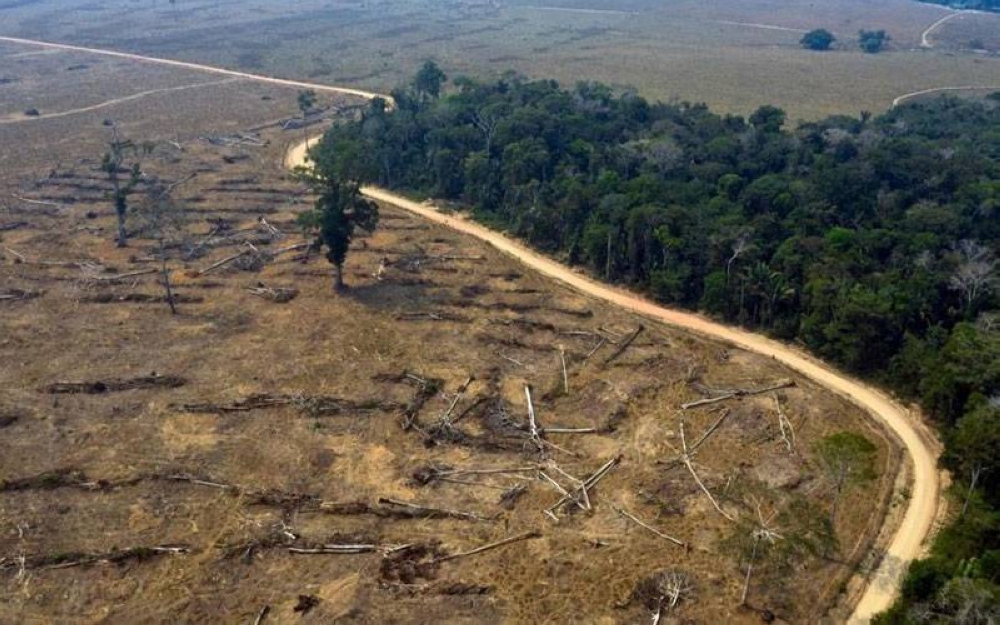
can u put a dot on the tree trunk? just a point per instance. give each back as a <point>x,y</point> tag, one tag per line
<point>122,242</point>
<point>166,280</point>
<point>338,281</point>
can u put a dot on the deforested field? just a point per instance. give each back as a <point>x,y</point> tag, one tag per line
<point>277,449</point>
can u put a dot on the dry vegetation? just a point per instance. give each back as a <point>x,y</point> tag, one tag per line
<point>188,467</point>
<point>734,55</point>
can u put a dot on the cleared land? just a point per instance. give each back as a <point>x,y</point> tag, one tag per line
<point>733,55</point>
<point>300,404</point>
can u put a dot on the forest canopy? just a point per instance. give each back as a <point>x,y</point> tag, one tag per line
<point>871,240</point>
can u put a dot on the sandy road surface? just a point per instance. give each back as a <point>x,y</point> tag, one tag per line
<point>194,66</point>
<point>918,520</point>
<point>925,41</point>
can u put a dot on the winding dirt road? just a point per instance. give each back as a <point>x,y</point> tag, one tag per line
<point>920,514</point>
<point>925,41</point>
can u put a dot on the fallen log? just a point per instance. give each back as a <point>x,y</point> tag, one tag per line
<point>625,344</point>
<point>488,547</point>
<point>738,392</point>
<point>109,386</point>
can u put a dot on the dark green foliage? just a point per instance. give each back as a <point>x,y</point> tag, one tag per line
<point>819,39</point>
<point>871,240</point>
<point>872,41</point>
<point>340,209</point>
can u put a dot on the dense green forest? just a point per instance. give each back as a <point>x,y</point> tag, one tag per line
<point>870,240</point>
<point>979,5</point>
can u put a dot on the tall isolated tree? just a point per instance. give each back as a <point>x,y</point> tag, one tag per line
<point>114,164</point>
<point>340,211</point>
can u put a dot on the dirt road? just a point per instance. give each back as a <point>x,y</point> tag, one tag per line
<point>925,41</point>
<point>14,119</point>
<point>913,94</point>
<point>908,541</point>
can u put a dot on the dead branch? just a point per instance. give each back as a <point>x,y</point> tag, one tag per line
<point>686,459</point>
<point>621,348</point>
<point>589,483</point>
<point>118,556</point>
<point>738,392</point>
<point>709,431</point>
<point>532,424</point>
<point>599,345</point>
<point>121,276</point>
<point>499,543</point>
<point>562,359</point>
<point>787,431</point>
<point>634,519</point>
<point>281,295</point>
<point>263,611</point>
<point>334,549</point>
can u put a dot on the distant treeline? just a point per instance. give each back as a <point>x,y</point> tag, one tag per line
<point>979,5</point>
<point>871,240</point>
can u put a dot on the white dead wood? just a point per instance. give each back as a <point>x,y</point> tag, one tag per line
<point>628,515</point>
<point>499,543</point>
<point>334,549</point>
<point>738,392</point>
<point>39,202</point>
<point>787,431</point>
<point>599,345</point>
<point>122,276</point>
<point>686,458</point>
<point>588,484</point>
<point>532,424</point>
<point>763,532</point>
<point>562,359</point>
<point>263,612</point>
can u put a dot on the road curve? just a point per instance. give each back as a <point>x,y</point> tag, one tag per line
<point>906,544</point>
<point>913,94</point>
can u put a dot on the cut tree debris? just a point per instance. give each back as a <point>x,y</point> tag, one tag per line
<point>725,394</point>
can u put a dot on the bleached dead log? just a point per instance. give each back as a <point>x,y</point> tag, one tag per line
<point>532,424</point>
<point>686,459</point>
<point>787,431</point>
<point>562,359</point>
<point>122,276</point>
<point>738,392</point>
<point>634,519</point>
<point>589,483</point>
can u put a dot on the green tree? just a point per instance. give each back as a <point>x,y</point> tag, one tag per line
<point>872,41</point>
<point>306,101</point>
<point>819,39</point>
<point>846,458</point>
<point>340,211</point>
<point>429,80</point>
